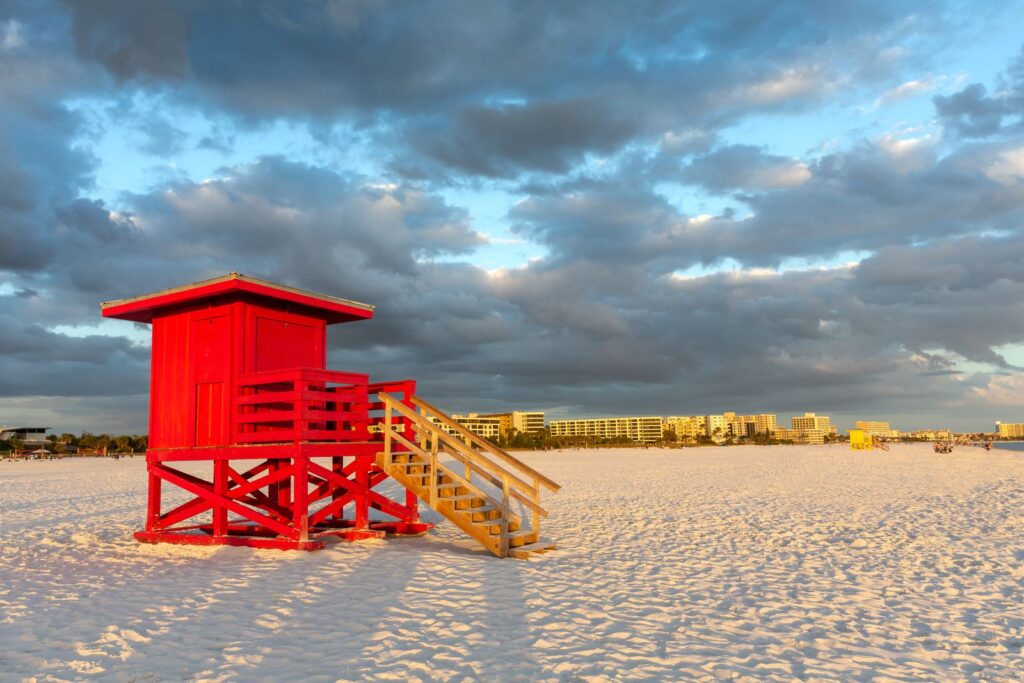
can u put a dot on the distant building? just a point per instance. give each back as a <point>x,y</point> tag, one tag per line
<point>1010,430</point>
<point>812,421</point>
<point>32,437</point>
<point>931,434</point>
<point>727,424</point>
<point>717,426</point>
<point>523,422</point>
<point>813,436</point>
<point>734,426</point>
<point>878,429</point>
<point>687,427</point>
<point>639,429</point>
<point>750,425</point>
<point>486,427</point>
<point>814,429</point>
<point>528,422</point>
<point>787,434</point>
<point>766,423</point>
<point>504,421</point>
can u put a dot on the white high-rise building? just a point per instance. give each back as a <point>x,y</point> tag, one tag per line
<point>523,422</point>
<point>487,427</point>
<point>1010,430</point>
<point>814,428</point>
<point>527,422</point>
<point>717,426</point>
<point>640,429</point>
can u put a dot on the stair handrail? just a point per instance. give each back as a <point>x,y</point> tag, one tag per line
<point>497,475</point>
<point>486,445</point>
<point>432,428</point>
<point>449,472</point>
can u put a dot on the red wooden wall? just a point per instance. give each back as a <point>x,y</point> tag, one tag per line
<point>199,349</point>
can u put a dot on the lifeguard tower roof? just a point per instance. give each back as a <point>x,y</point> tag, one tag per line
<point>142,308</point>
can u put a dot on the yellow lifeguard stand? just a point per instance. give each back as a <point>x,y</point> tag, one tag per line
<point>860,441</point>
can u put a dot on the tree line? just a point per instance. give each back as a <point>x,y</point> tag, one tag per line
<point>85,442</point>
<point>544,440</point>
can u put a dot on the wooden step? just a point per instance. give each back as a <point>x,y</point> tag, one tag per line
<point>524,552</point>
<point>487,522</point>
<point>407,465</point>
<point>421,475</point>
<point>521,532</point>
<point>467,496</point>
<point>484,508</point>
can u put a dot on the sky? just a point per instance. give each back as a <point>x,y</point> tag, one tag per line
<point>588,208</point>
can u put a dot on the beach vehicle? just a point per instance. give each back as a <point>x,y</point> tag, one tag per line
<point>265,447</point>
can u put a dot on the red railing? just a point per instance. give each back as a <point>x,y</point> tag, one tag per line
<point>310,404</point>
<point>404,391</point>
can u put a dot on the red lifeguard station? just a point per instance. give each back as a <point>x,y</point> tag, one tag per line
<point>257,443</point>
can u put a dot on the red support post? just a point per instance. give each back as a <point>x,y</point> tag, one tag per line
<point>220,484</point>
<point>153,499</point>
<point>362,513</point>
<point>300,509</point>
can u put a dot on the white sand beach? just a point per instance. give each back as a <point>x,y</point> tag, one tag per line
<point>743,563</point>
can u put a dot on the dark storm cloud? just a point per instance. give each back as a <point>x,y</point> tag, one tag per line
<point>959,295</point>
<point>548,136</point>
<point>975,113</point>
<point>896,192</point>
<point>91,223</point>
<point>608,223</point>
<point>834,338</point>
<point>876,194</point>
<point>131,39</point>
<point>272,218</point>
<point>505,85</point>
<point>35,361</point>
<point>587,333</point>
<point>525,94</point>
<point>972,112</point>
<point>744,167</point>
<point>42,171</point>
<point>40,168</point>
<point>321,218</point>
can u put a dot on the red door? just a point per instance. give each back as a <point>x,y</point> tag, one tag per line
<point>211,343</point>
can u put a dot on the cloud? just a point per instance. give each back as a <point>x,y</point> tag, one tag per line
<point>872,196</point>
<point>584,112</point>
<point>1008,167</point>
<point>132,39</point>
<point>546,136</point>
<point>889,191</point>
<point>605,224</point>
<point>35,361</point>
<point>971,112</point>
<point>909,89</point>
<point>744,167</point>
<point>974,113</point>
<point>1000,391</point>
<point>505,86</point>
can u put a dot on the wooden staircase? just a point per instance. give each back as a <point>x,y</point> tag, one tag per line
<point>477,486</point>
